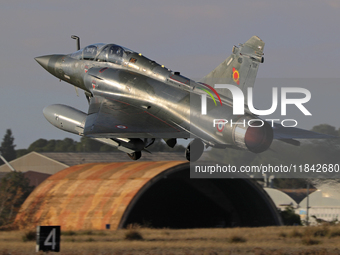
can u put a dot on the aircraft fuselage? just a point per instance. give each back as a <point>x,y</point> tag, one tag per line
<point>136,81</point>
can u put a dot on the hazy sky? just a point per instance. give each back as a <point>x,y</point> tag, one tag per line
<point>302,41</point>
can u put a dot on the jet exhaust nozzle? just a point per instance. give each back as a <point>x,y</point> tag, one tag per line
<point>256,138</point>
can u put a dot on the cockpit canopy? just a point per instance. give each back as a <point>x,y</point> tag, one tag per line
<point>103,53</point>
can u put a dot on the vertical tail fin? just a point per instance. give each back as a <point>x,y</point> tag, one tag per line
<point>240,68</point>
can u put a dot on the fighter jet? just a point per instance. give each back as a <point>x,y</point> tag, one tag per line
<point>133,100</point>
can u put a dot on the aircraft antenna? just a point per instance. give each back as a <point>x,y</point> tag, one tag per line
<point>77,41</point>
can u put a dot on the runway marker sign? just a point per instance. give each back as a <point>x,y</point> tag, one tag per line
<point>48,238</point>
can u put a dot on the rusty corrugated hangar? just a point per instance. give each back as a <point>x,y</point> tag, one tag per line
<point>156,194</point>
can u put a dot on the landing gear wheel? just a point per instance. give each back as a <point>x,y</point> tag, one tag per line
<point>135,155</point>
<point>194,150</point>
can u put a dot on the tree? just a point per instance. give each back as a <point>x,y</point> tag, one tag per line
<point>291,183</point>
<point>65,145</point>
<point>14,189</point>
<point>7,146</point>
<point>107,148</point>
<point>21,152</point>
<point>160,145</point>
<point>38,145</point>
<point>325,129</point>
<point>88,145</point>
<point>289,217</point>
<point>50,146</point>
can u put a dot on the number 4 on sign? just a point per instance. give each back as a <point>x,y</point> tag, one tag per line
<point>52,236</point>
<point>48,238</point>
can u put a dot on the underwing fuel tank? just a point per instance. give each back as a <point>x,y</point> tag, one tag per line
<point>66,118</point>
<point>73,120</point>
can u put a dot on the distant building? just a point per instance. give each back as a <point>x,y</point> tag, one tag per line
<point>36,162</point>
<point>36,178</point>
<point>38,166</point>
<point>53,162</point>
<point>298,194</point>
<point>280,199</point>
<point>323,205</point>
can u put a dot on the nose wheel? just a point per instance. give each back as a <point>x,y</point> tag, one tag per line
<point>135,155</point>
<point>194,150</point>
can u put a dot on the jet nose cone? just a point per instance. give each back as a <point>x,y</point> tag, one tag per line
<point>44,60</point>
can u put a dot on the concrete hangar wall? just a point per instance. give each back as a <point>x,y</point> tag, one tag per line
<point>161,194</point>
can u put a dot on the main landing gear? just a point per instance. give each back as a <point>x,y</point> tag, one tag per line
<point>135,155</point>
<point>194,150</point>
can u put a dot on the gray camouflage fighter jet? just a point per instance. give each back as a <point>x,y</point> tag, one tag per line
<point>133,101</point>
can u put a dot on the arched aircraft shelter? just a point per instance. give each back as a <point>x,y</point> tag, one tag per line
<point>156,194</point>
